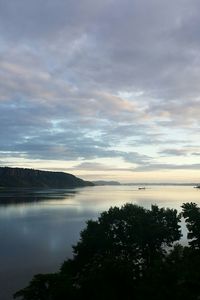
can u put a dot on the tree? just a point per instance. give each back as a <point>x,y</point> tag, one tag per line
<point>129,231</point>
<point>191,213</point>
<point>112,256</point>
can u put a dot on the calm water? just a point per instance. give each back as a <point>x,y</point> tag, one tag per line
<point>38,227</point>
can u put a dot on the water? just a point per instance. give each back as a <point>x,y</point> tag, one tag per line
<point>39,227</point>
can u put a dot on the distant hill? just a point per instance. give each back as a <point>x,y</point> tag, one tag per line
<point>103,182</point>
<point>18,177</point>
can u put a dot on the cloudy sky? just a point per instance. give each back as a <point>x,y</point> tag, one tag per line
<point>104,89</point>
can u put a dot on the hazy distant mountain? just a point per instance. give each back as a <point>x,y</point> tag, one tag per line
<point>18,177</point>
<point>103,182</point>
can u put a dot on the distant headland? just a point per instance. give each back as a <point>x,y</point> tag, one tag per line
<point>31,178</point>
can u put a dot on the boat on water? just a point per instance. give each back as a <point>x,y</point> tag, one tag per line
<point>141,188</point>
<point>197,186</point>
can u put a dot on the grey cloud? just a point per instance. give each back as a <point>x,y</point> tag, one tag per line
<point>187,150</point>
<point>176,113</point>
<point>154,167</point>
<point>33,19</point>
<point>174,152</point>
<point>39,133</point>
<point>76,149</point>
<point>63,65</point>
<point>141,52</point>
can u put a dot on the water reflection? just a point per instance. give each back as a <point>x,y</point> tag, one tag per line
<point>39,227</point>
<point>18,196</point>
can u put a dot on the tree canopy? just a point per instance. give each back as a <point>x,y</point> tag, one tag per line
<point>128,253</point>
<point>191,213</point>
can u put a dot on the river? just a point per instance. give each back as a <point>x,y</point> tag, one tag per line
<point>39,227</point>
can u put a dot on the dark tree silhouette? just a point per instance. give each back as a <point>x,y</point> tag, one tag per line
<point>191,213</point>
<point>129,232</point>
<point>112,256</point>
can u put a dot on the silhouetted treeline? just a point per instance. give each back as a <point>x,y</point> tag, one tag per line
<point>19,177</point>
<point>128,253</point>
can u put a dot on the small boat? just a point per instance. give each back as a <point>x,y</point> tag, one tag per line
<point>141,188</point>
<point>197,187</point>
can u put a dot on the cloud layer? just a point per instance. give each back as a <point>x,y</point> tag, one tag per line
<point>94,80</point>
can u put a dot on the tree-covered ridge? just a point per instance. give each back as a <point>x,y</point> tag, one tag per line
<point>18,177</point>
<point>128,253</point>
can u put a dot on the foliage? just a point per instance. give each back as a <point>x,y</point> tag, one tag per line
<point>191,213</point>
<point>122,255</point>
<point>130,232</point>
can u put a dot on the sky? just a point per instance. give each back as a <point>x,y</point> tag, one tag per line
<point>104,89</point>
